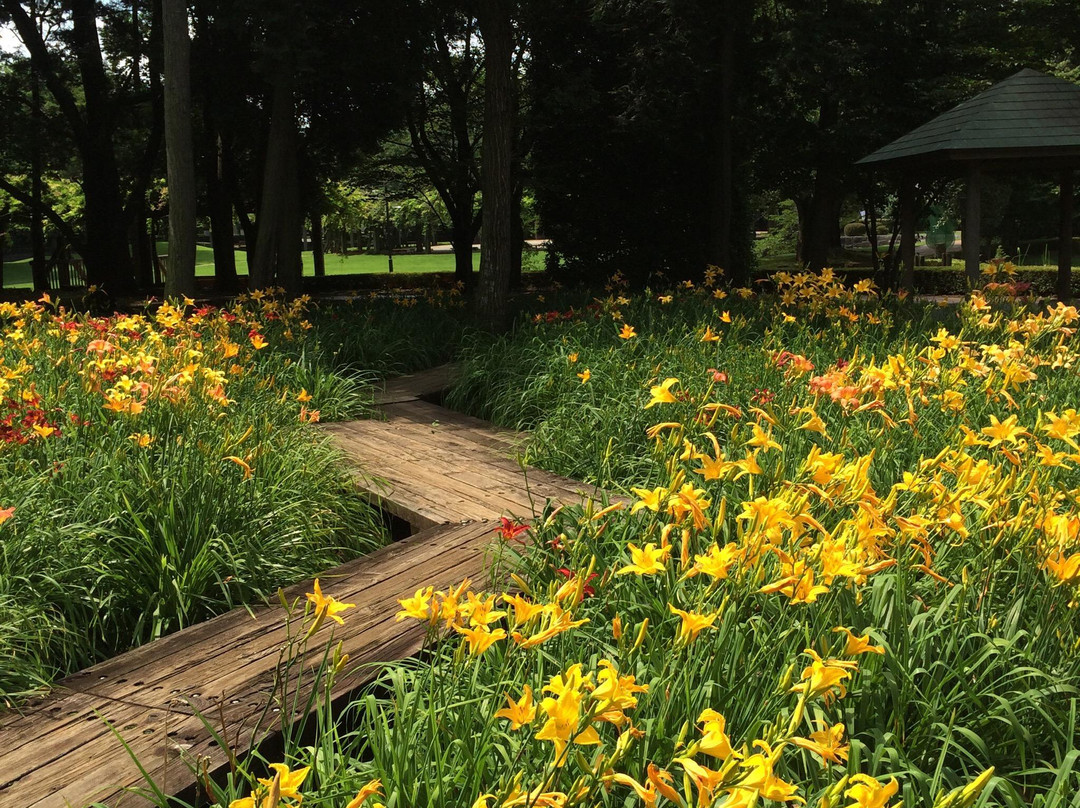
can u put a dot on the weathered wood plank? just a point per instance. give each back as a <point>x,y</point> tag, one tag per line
<point>419,463</point>
<point>417,385</point>
<point>61,752</point>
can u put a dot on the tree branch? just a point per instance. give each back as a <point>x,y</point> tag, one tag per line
<point>44,210</point>
<point>44,62</point>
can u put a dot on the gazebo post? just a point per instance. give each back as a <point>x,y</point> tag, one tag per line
<point>1065,236</point>
<point>972,215</point>
<point>907,232</point>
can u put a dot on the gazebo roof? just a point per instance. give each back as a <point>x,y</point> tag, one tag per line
<point>1027,116</point>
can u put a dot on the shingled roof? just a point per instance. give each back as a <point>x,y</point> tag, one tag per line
<point>1029,114</point>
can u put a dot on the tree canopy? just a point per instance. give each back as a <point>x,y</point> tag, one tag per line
<point>651,134</point>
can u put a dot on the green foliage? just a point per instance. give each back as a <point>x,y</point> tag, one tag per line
<point>783,232</point>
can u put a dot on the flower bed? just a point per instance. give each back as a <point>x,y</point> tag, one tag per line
<point>849,575</point>
<point>158,468</point>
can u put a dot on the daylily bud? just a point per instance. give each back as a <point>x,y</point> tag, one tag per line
<point>274,797</point>
<point>316,624</point>
<point>965,796</point>
<point>785,680</point>
<point>517,579</point>
<point>641,634</point>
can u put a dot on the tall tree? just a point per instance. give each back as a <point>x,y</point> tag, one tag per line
<point>445,119</point>
<point>639,125</point>
<point>497,177</point>
<point>180,152</point>
<point>89,109</point>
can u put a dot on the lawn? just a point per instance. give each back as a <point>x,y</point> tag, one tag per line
<point>17,273</point>
<point>848,573</point>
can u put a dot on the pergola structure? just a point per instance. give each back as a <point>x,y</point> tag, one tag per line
<point>1028,122</point>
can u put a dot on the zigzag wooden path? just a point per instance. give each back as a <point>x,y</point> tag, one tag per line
<point>448,475</point>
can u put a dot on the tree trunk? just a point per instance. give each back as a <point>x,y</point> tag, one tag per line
<point>907,233</point>
<point>3,238</point>
<point>318,256</point>
<point>517,237</point>
<point>972,239</point>
<point>721,181</point>
<point>179,150</point>
<point>39,262</point>
<point>819,226</point>
<point>496,243</point>
<point>870,223</point>
<point>137,209</point>
<point>461,237</point>
<point>221,217</point>
<point>106,255</point>
<point>277,251</point>
<point>142,248</point>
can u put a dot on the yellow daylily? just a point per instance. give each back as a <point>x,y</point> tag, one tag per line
<point>418,606</point>
<point>858,644</point>
<point>814,423</point>
<point>714,740</point>
<point>520,712</point>
<point>647,560</point>
<point>826,744</point>
<point>869,793</point>
<point>762,440</point>
<point>661,393</point>
<point>328,606</point>
<point>480,638</point>
<point>761,779</point>
<point>1003,431</point>
<point>369,790</point>
<point>564,715</point>
<point>823,676</point>
<point>648,499</point>
<point>692,624</point>
<point>288,782</point>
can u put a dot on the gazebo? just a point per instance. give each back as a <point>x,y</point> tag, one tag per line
<point>1028,122</point>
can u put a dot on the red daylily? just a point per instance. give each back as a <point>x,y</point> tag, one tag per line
<point>510,530</point>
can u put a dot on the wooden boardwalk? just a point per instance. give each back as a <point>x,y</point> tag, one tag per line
<point>448,475</point>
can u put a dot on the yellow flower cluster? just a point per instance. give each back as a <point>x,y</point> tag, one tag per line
<point>172,356</point>
<point>472,615</point>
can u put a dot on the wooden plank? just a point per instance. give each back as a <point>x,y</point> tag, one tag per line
<point>419,463</point>
<point>417,385</point>
<point>393,444</point>
<point>80,742</point>
<point>236,640</point>
<point>481,432</point>
<point>61,752</point>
